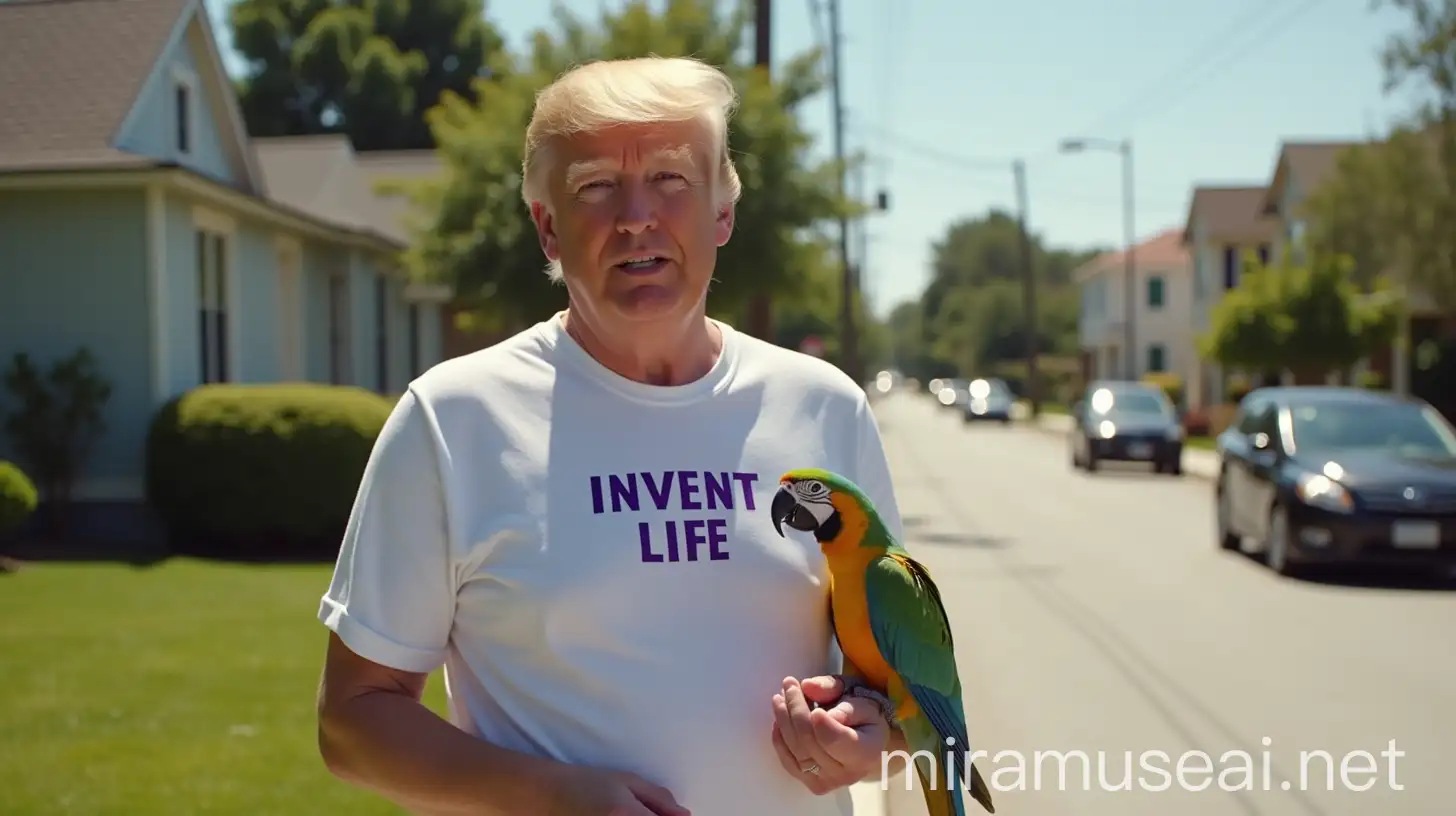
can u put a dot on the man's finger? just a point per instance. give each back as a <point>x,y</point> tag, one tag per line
<point>655,798</point>
<point>822,690</point>
<point>785,724</point>
<point>802,740</point>
<point>786,757</point>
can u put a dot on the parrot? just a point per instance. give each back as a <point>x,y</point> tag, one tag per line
<point>891,626</point>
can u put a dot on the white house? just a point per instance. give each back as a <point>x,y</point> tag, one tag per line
<point>1161,314</point>
<point>1226,226</point>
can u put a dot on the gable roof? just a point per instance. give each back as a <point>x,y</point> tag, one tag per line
<point>64,112</point>
<point>323,174</point>
<point>1230,214</point>
<point>1163,251</point>
<point>70,72</point>
<point>1310,161</point>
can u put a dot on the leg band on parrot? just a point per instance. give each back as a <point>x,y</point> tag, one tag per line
<point>857,687</point>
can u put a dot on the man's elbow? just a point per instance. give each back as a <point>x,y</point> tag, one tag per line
<point>334,742</point>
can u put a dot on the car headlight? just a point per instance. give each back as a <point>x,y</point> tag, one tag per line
<point>1106,430</point>
<point>978,406</point>
<point>1175,433</point>
<point>1318,490</point>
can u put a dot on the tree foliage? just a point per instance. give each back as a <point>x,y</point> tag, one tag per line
<point>1391,203</point>
<point>478,234</point>
<point>367,68</point>
<point>971,318</point>
<point>1309,318</point>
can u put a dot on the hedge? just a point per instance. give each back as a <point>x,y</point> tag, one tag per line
<point>261,470</point>
<point>18,498</point>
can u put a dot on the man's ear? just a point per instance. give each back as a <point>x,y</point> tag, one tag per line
<point>724,226</point>
<point>546,230</point>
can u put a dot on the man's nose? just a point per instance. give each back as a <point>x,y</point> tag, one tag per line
<point>638,211</point>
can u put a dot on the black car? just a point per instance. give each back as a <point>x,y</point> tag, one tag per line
<point>1333,475</point>
<point>988,399</point>
<point>1126,422</point>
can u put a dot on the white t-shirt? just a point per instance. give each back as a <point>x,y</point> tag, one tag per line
<point>592,558</point>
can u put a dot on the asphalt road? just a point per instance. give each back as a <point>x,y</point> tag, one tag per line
<point>1096,614</point>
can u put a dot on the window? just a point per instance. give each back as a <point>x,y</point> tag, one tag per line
<point>182,99</point>
<point>1230,267</point>
<point>338,330</point>
<point>1155,292</point>
<point>381,334</point>
<point>212,300</point>
<point>1157,358</point>
<point>414,340</point>
<point>1264,252</point>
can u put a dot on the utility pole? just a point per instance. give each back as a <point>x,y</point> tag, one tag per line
<point>848,335</point>
<point>760,304</point>
<point>1028,290</point>
<point>1130,237</point>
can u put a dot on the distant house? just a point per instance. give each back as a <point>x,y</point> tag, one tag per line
<point>138,220</point>
<point>1161,314</point>
<point>1225,226</point>
<point>1299,170</point>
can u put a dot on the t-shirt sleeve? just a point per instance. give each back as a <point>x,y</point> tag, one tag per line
<point>873,471</point>
<point>392,597</point>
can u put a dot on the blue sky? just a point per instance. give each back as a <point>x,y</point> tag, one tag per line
<point>945,93</point>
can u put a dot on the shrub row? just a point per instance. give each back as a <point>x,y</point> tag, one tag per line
<point>261,470</point>
<point>18,498</point>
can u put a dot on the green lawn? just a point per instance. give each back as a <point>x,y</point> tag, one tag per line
<point>182,688</point>
<point>1200,442</point>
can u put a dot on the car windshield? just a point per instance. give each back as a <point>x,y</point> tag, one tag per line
<point>1404,429</point>
<point>987,389</point>
<point>1129,402</point>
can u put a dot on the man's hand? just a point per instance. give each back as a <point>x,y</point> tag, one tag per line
<point>580,791</point>
<point>827,748</point>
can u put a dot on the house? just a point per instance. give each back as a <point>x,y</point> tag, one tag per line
<point>1300,169</point>
<point>1161,313</point>
<point>139,221</point>
<point>1225,227</point>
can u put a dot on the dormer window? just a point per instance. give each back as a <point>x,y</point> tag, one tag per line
<point>182,95</point>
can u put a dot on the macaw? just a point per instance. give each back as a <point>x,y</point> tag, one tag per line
<point>892,629</point>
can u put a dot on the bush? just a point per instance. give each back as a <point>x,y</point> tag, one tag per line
<point>261,470</point>
<point>18,498</point>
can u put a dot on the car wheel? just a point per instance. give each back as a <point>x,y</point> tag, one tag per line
<point>1276,547</point>
<point>1175,466</point>
<point>1227,538</point>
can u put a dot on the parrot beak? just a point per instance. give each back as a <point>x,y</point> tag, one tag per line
<point>787,510</point>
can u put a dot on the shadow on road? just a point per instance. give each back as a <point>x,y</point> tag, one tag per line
<point>985,542</point>
<point>1367,577</point>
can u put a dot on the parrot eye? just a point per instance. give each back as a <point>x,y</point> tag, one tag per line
<point>815,489</point>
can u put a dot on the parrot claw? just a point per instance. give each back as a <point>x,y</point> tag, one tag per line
<point>856,687</point>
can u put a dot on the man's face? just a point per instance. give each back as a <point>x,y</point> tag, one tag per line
<point>635,192</point>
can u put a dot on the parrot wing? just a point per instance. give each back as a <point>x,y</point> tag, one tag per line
<point>912,630</point>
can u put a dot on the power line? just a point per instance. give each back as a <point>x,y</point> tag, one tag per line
<point>1177,81</point>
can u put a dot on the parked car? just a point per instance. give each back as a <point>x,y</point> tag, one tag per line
<point>1126,422</point>
<point>1334,475</point>
<point>988,399</point>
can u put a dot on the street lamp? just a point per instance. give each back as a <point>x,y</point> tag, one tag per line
<point>1124,147</point>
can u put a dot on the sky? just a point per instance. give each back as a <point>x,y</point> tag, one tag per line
<point>945,94</point>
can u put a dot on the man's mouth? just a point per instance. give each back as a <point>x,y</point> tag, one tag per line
<point>642,264</point>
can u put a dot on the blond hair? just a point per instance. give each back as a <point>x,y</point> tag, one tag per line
<point>644,90</point>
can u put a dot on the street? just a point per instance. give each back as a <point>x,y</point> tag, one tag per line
<point>1095,614</point>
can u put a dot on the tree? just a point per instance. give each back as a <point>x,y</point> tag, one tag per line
<point>1308,318</point>
<point>367,69</point>
<point>1390,203</point>
<point>477,234</point>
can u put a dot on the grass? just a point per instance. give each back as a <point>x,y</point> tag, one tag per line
<point>186,687</point>
<point>1200,442</point>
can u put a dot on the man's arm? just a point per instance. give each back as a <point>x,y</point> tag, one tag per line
<point>390,608</point>
<point>374,732</point>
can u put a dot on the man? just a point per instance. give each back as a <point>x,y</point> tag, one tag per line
<point>574,521</point>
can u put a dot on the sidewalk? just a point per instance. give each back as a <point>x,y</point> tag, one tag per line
<point>1196,461</point>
